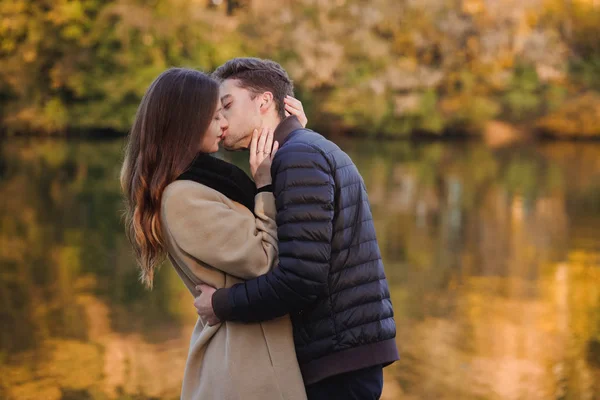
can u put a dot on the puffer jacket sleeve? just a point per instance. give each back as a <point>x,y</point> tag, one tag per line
<point>304,193</point>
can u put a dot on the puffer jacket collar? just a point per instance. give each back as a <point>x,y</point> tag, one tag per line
<point>285,128</point>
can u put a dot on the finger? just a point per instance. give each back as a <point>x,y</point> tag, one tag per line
<point>275,148</point>
<point>296,108</point>
<point>253,143</point>
<point>203,287</point>
<point>263,139</point>
<point>293,102</point>
<point>269,143</point>
<point>292,111</point>
<point>287,114</point>
<point>298,114</point>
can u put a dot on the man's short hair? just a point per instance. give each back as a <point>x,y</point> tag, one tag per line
<point>259,76</point>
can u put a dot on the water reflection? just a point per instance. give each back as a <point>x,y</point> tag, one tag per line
<point>493,258</point>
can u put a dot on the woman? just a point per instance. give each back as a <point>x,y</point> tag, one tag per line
<point>215,225</point>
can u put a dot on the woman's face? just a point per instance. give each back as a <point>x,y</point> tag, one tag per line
<point>212,137</point>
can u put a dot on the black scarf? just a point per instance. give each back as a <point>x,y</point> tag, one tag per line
<point>223,177</point>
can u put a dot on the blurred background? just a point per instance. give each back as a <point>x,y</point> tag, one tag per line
<point>475,124</point>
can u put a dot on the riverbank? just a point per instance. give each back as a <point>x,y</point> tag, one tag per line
<point>494,134</point>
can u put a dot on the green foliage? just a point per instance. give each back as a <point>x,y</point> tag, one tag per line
<point>86,64</point>
<point>522,97</point>
<point>555,95</point>
<point>378,67</point>
<point>587,71</point>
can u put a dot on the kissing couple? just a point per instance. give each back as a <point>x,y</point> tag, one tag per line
<point>284,266</point>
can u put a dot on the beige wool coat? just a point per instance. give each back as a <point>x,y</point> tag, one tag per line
<point>215,240</point>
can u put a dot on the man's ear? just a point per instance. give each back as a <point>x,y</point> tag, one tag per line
<point>266,101</point>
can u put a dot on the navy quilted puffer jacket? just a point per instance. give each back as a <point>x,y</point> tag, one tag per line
<point>330,276</point>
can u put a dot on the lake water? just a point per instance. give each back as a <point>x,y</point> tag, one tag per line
<point>493,258</point>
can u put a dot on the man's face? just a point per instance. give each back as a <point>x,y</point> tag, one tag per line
<point>242,113</point>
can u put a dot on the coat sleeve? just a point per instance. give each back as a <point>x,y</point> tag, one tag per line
<point>304,192</point>
<point>232,241</point>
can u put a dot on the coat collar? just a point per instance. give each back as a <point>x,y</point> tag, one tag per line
<point>223,177</point>
<point>285,128</point>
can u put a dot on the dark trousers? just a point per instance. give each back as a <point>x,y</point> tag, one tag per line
<point>364,384</point>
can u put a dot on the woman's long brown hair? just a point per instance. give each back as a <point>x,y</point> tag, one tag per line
<point>171,120</point>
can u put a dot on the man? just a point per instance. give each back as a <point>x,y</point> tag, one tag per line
<point>330,276</point>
